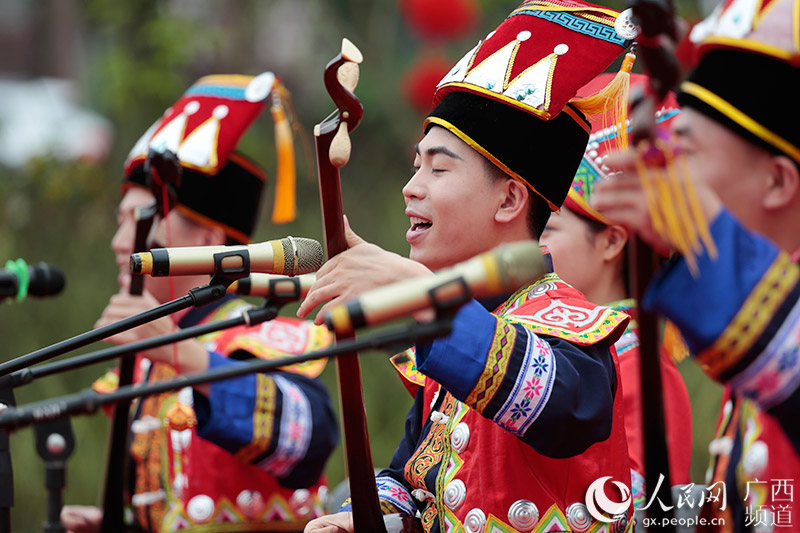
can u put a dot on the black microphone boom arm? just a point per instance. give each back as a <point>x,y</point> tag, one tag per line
<point>88,401</point>
<point>197,297</point>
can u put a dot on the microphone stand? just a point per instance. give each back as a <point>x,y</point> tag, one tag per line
<point>251,317</point>
<point>88,401</point>
<point>54,443</point>
<point>7,401</point>
<point>54,440</point>
<point>197,297</point>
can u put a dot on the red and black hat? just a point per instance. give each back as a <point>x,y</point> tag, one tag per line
<point>509,98</point>
<point>217,186</point>
<point>749,62</point>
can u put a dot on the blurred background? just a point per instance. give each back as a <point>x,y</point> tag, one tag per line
<point>81,80</point>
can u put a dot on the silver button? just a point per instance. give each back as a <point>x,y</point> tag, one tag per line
<point>523,515</point>
<point>542,288</point>
<point>301,502</point>
<point>756,459</point>
<point>720,446</point>
<point>454,494</point>
<point>578,517</point>
<point>250,502</point>
<point>459,439</point>
<point>475,521</point>
<point>620,523</point>
<point>200,508</point>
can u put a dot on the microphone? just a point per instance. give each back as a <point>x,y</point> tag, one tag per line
<point>501,270</point>
<point>284,288</point>
<point>288,256</point>
<point>20,280</point>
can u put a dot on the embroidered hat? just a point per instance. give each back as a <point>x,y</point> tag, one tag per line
<point>217,186</point>
<point>602,141</point>
<point>509,98</point>
<point>749,53</point>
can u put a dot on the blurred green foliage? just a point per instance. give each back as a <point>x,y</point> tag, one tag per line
<point>139,56</point>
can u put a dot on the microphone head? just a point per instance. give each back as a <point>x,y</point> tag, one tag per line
<point>45,280</point>
<point>308,255</point>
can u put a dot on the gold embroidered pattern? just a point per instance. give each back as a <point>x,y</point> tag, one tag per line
<point>388,508</point>
<point>263,419</point>
<point>451,464</point>
<point>751,320</point>
<point>496,364</point>
<point>431,451</point>
<point>149,449</point>
<point>428,516</point>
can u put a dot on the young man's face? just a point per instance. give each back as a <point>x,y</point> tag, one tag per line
<point>450,201</point>
<point>723,161</point>
<point>122,242</point>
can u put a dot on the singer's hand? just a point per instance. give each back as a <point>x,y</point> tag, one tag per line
<point>191,356</point>
<point>362,267</point>
<point>332,523</point>
<point>81,518</point>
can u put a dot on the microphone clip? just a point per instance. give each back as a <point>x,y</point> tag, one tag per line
<point>215,290</point>
<point>232,269</point>
<point>448,297</point>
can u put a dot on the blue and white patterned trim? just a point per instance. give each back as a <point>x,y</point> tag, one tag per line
<point>295,433</point>
<point>221,91</point>
<point>775,374</point>
<point>532,388</point>
<point>578,24</point>
<point>390,490</point>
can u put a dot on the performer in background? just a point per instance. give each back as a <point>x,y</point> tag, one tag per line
<point>590,253</point>
<point>246,454</point>
<point>518,410</point>
<point>739,310</point>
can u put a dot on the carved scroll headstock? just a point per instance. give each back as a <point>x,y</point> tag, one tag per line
<point>341,78</point>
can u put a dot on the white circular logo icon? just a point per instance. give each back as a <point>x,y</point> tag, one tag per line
<point>601,507</point>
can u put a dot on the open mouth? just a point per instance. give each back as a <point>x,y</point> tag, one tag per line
<point>419,224</point>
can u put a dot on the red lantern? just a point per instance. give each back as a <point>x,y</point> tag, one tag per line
<point>419,82</point>
<point>440,19</point>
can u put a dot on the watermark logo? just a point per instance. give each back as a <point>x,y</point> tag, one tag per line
<point>601,507</point>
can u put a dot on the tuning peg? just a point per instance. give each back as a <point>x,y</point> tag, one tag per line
<point>347,74</point>
<point>339,152</point>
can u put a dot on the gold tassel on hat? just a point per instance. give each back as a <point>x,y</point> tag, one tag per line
<point>614,96</point>
<point>285,208</point>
